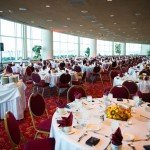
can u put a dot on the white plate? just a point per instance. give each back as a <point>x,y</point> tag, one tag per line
<point>69,133</point>
<point>128,137</point>
<point>93,127</point>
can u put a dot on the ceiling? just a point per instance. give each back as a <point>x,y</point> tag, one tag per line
<point>115,20</point>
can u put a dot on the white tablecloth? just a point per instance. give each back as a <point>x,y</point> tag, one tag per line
<point>53,78</point>
<point>12,98</point>
<point>139,128</point>
<point>143,86</point>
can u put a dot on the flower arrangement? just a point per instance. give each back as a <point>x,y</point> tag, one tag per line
<point>118,112</point>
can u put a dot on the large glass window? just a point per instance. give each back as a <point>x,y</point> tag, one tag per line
<point>84,44</point>
<point>11,34</point>
<point>104,47</point>
<point>133,49</point>
<point>64,44</point>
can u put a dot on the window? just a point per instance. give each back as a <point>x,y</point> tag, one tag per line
<point>133,49</point>
<point>104,47</point>
<point>84,44</point>
<point>65,44</point>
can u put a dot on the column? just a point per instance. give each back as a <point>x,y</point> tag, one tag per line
<point>78,46</point>
<point>113,48</point>
<point>24,49</point>
<point>124,48</point>
<point>93,48</point>
<point>47,44</point>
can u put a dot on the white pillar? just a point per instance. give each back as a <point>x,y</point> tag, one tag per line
<point>113,48</point>
<point>124,48</point>
<point>78,46</point>
<point>47,44</point>
<point>24,51</point>
<point>93,48</point>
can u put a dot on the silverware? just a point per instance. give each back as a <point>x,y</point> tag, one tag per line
<point>101,134</point>
<point>145,117</point>
<point>132,146</point>
<point>80,138</point>
<point>107,145</point>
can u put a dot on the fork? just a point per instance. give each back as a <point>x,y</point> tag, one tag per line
<point>101,134</point>
<point>80,138</point>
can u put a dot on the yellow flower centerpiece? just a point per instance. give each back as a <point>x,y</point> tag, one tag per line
<point>118,112</point>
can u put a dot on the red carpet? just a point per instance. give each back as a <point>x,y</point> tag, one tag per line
<point>27,130</point>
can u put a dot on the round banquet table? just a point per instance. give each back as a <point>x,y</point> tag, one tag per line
<point>12,98</point>
<point>138,127</point>
<point>143,86</point>
<point>53,78</point>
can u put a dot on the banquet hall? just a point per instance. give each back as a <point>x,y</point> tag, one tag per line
<point>75,75</point>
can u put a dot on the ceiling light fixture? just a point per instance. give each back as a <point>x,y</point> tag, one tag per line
<point>81,25</point>
<point>93,21</point>
<point>65,26</point>
<point>68,18</point>
<point>101,27</point>
<point>115,23</point>
<point>133,28</point>
<point>112,15</point>
<point>32,21</point>
<point>22,9</point>
<point>84,11</point>
<point>47,6</point>
<point>1,11</point>
<point>49,20</point>
<point>109,0</point>
<point>10,11</point>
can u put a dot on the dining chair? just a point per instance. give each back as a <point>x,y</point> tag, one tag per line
<point>112,75</point>
<point>79,82</point>
<point>145,72</point>
<point>131,86</point>
<point>38,83</point>
<point>64,82</point>
<point>9,69</point>
<point>16,138</point>
<point>75,90</point>
<point>27,76</point>
<point>37,109</point>
<point>120,91</point>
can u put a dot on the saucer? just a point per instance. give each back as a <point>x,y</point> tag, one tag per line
<point>93,127</point>
<point>70,132</point>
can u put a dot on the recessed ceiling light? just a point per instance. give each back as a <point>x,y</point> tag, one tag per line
<point>49,20</point>
<point>81,25</point>
<point>133,28</point>
<point>112,15</point>
<point>93,21</point>
<point>47,6</point>
<point>22,9</point>
<point>10,11</point>
<point>32,21</point>
<point>1,11</point>
<point>109,0</point>
<point>68,18</point>
<point>91,30</point>
<point>115,23</point>
<point>84,11</point>
<point>137,14</point>
<point>101,27</point>
<point>65,26</point>
<point>123,32</point>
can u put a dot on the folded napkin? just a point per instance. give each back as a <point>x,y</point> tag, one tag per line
<point>60,104</point>
<point>77,95</point>
<point>66,121</point>
<point>117,137</point>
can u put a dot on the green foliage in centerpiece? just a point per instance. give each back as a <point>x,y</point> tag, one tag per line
<point>37,50</point>
<point>87,52</point>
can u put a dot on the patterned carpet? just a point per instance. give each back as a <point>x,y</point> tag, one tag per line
<point>26,127</point>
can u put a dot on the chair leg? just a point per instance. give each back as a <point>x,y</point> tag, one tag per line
<point>36,135</point>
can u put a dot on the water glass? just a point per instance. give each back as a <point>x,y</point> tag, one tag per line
<point>89,98</point>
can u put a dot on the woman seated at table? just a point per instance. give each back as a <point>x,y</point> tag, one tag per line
<point>8,70</point>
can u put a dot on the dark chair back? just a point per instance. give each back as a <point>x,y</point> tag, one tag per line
<point>12,128</point>
<point>36,77</point>
<point>65,78</point>
<point>76,89</point>
<point>120,92</point>
<point>36,104</point>
<point>96,69</point>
